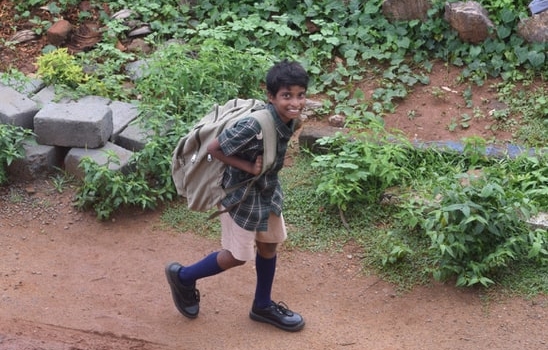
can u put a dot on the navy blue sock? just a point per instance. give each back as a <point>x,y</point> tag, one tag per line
<point>206,267</point>
<point>265,268</point>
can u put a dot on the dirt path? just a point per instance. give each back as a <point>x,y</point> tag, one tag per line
<point>70,282</point>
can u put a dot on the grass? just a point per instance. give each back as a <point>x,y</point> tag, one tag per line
<point>179,217</point>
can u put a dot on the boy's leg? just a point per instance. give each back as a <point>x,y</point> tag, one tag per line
<point>238,247</point>
<point>264,309</point>
<point>265,267</point>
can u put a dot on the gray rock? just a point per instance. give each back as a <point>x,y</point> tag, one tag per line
<point>45,95</point>
<point>133,137</point>
<point>16,108</point>
<point>99,156</point>
<point>39,161</point>
<point>538,6</point>
<point>310,134</point>
<point>86,125</point>
<point>136,70</point>
<point>539,221</point>
<point>123,113</point>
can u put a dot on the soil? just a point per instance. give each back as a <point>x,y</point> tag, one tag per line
<point>72,282</point>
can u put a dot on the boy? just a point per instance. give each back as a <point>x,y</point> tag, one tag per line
<point>257,221</point>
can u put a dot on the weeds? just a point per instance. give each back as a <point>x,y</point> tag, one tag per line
<point>11,147</point>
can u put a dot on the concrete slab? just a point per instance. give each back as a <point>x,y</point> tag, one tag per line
<point>85,125</point>
<point>99,156</point>
<point>39,161</point>
<point>16,108</point>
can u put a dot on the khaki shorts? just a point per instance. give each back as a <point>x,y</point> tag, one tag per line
<point>241,242</point>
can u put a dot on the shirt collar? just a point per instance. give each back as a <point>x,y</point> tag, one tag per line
<point>283,128</point>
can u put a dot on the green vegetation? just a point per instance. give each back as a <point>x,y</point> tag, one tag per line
<point>455,215</point>
<point>417,213</point>
<point>176,90</point>
<point>11,147</point>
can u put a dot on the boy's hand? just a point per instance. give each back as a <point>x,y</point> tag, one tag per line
<point>258,166</point>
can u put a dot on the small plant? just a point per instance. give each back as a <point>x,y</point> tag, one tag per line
<point>11,147</point>
<point>474,149</point>
<point>477,229</point>
<point>438,93</point>
<point>14,79</point>
<point>467,94</point>
<point>60,67</point>
<point>453,125</point>
<point>60,180</point>
<point>478,113</point>
<point>465,121</point>
<point>40,26</point>
<point>411,114</point>
<point>359,167</point>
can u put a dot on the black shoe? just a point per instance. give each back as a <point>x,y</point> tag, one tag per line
<point>278,315</point>
<point>186,298</point>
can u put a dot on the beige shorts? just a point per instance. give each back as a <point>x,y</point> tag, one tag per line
<point>241,242</point>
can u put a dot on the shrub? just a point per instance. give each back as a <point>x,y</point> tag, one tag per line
<point>479,227</point>
<point>11,147</point>
<point>60,67</point>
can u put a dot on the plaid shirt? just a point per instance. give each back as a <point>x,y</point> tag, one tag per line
<point>265,195</point>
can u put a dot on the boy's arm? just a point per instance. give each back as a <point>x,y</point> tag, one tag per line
<point>214,148</point>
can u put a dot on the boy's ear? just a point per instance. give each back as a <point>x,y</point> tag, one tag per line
<point>270,96</point>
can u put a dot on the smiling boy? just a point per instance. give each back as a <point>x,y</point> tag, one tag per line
<point>255,227</point>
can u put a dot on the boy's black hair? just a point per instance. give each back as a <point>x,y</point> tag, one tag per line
<point>286,74</point>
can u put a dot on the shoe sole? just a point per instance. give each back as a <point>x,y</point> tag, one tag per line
<point>262,319</point>
<point>174,292</point>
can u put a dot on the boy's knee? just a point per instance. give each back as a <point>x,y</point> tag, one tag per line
<point>226,260</point>
<point>267,250</point>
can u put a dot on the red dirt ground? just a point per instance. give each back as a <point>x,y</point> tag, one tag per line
<point>70,282</point>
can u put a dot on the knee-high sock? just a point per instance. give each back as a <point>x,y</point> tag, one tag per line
<point>206,267</point>
<point>265,268</point>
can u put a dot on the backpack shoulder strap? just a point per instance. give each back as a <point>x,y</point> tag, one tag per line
<point>270,137</point>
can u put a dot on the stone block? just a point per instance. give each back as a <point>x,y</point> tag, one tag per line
<point>16,108</point>
<point>27,86</point>
<point>39,161</point>
<point>133,137</point>
<point>84,125</point>
<point>123,113</point>
<point>95,99</point>
<point>44,96</point>
<point>309,134</point>
<point>99,156</point>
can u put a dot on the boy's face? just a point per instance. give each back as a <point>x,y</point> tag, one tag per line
<point>289,102</point>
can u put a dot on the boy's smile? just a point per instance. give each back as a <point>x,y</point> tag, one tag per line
<point>289,102</point>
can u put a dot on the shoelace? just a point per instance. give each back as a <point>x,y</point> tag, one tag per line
<point>282,308</point>
<point>191,294</point>
<point>197,295</point>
